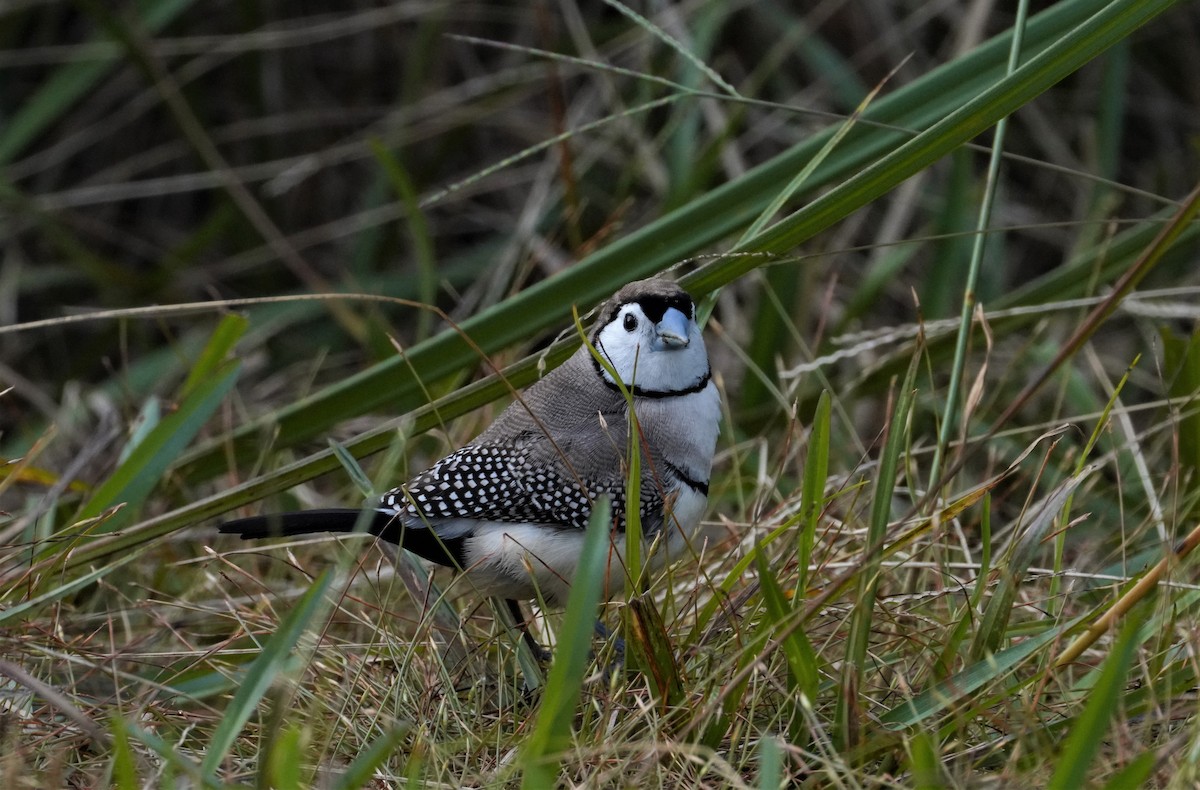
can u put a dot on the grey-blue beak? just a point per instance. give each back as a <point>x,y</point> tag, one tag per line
<point>672,331</point>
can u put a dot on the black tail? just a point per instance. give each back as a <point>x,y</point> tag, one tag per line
<point>421,540</point>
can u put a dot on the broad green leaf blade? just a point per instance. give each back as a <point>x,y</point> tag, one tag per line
<point>951,89</point>
<point>262,673</point>
<point>552,729</point>
<point>1109,25</point>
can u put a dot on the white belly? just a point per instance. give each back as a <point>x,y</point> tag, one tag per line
<point>532,561</point>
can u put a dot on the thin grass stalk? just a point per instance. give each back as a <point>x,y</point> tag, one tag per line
<point>950,409</point>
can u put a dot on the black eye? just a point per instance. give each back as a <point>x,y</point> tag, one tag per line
<point>630,322</point>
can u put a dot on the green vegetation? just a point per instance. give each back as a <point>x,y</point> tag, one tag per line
<point>259,257</point>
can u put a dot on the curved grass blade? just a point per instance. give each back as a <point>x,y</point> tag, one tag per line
<point>1096,34</point>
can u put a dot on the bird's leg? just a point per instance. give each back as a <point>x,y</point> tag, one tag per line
<point>514,608</point>
<point>605,634</point>
<point>616,666</point>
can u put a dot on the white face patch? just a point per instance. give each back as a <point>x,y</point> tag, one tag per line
<point>658,358</point>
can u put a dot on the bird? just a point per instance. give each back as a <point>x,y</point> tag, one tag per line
<point>509,509</point>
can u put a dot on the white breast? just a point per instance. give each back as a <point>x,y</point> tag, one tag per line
<point>684,429</point>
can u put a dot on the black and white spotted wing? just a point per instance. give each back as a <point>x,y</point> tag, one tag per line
<point>502,483</point>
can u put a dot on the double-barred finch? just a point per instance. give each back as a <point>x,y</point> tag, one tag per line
<point>509,509</point>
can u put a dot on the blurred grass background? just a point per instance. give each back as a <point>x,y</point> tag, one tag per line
<point>504,163</point>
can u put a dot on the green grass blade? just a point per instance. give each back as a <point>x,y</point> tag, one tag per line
<point>1136,773</point>
<point>735,576</point>
<point>1089,727</point>
<point>124,769</point>
<point>352,468</point>
<point>1099,32</point>
<point>964,684</point>
<point>770,764</point>
<point>952,404</point>
<point>71,81</point>
<point>994,624</point>
<point>552,730</point>
<point>171,757</point>
<point>863,616</point>
<point>149,416</point>
<point>674,44</point>
<point>146,466</point>
<point>361,772</point>
<point>262,673</point>
<point>1181,361</point>
<point>279,767</point>
<point>801,658</point>
<point>812,498</point>
<point>924,764</point>
<point>649,644</point>
<point>220,346</point>
<point>418,230</point>
<point>10,614</point>
<point>794,186</point>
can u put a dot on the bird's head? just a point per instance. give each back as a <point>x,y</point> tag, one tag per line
<point>648,332</point>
